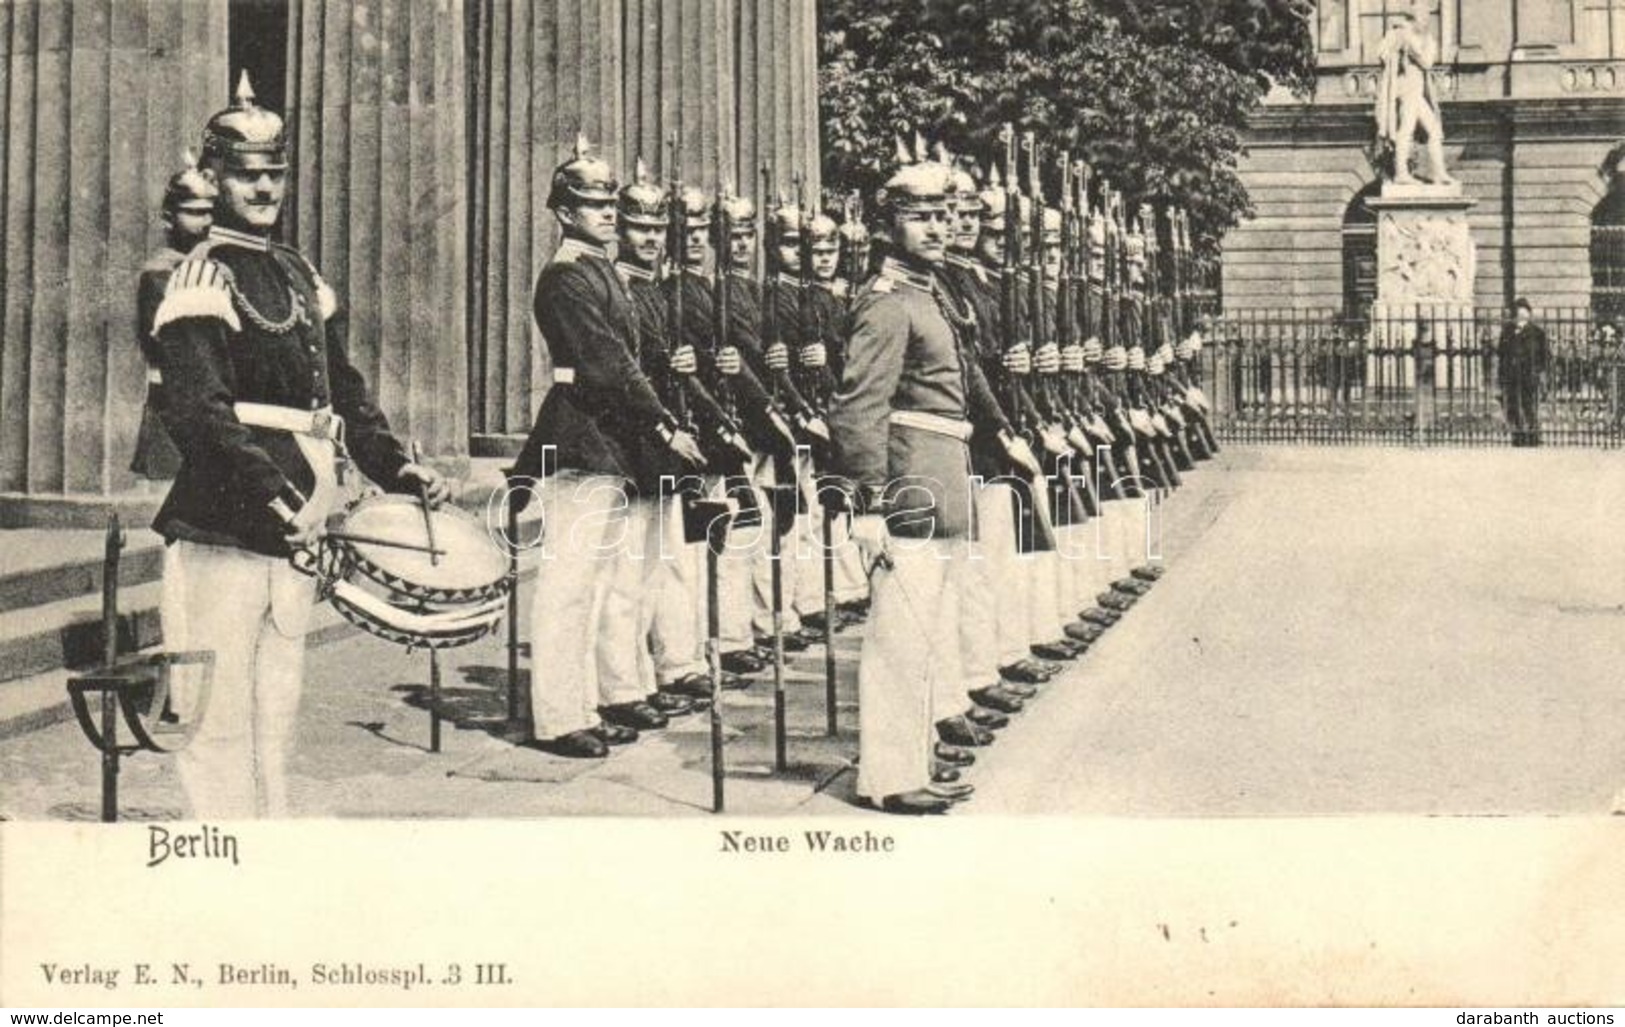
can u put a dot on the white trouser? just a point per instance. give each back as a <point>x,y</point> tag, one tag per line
<point>763,478</point>
<point>1077,547</point>
<point>594,587</point>
<point>1008,571</point>
<point>992,622</point>
<point>850,582</point>
<point>911,645</point>
<point>736,576</point>
<point>677,631</point>
<point>253,611</point>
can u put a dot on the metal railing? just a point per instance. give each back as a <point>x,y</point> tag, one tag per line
<point>1432,378</point>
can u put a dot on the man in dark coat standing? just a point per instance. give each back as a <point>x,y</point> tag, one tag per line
<point>601,443</point>
<point>1525,354</point>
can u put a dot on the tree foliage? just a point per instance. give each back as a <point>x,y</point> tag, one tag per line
<point>1154,94</point>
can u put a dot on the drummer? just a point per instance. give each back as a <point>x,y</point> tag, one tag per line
<point>251,345</point>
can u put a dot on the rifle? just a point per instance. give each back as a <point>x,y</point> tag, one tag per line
<point>1034,533</point>
<point>676,244</point>
<point>854,246</point>
<point>1066,505</point>
<point>1125,448</point>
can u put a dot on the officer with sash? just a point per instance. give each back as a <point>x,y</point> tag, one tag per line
<point>901,425</point>
<point>259,392</point>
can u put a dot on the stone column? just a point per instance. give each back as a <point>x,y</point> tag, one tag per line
<point>376,101</point>
<point>98,98</point>
<point>547,70</point>
<point>778,93</point>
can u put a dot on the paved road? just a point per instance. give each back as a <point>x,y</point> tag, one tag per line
<point>1340,631</point>
<point>1358,631</point>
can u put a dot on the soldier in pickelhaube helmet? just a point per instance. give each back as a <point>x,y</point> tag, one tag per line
<point>600,444</point>
<point>786,416</point>
<point>188,211</point>
<point>968,289</point>
<point>909,402</point>
<point>252,346</point>
<point>826,329</point>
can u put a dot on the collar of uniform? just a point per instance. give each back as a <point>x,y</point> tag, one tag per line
<point>971,264</point>
<point>633,273</point>
<point>744,276</point>
<point>900,272</point>
<point>571,248</point>
<point>231,237</point>
<point>786,278</point>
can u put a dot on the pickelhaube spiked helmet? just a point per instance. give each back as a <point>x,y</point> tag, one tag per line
<point>190,189</point>
<point>584,178</point>
<point>787,221</point>
<point>1052,227</point>
<point>919,185</point>
<point>696,207</point>
<point>823,230</point>
<point>243,130</point>
<point>741,211</point>
<point>853,232</point>
<point>642,201</point>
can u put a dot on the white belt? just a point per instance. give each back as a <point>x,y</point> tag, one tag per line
<point>318,424</point>
<point>937,424</point>
<point>154,376</point>
<point>564,376</point>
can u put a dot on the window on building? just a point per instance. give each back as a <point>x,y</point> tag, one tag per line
<point>1602,28</point>
<point>1360,254</point>
<point>1545,22</point>
<point>1377,15</point>
<point>1608,252</point>
<point>1333,21</point>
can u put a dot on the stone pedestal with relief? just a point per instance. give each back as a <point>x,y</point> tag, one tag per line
<point>1426,267</point>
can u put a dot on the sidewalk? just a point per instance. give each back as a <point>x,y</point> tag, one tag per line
<point>364,732</point>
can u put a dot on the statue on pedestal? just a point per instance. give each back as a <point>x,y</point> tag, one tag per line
<point>1405,95</point>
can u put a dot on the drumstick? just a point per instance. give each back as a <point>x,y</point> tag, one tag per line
<point>423,499</point>
<point>374,540</point>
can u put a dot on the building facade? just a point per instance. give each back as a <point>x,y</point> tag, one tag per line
<point>1533,101</point>
<point>424,135</point>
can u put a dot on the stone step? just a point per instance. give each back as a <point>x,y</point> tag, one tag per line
<point>68,632</point>
<point>46,566</point>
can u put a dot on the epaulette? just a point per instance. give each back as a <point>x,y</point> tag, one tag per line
<point>163,260</point>
<point>883,284</point>
<point>327,301</point>
<point>572,250</point>
<point>897,274</point>
<point>198,287</point>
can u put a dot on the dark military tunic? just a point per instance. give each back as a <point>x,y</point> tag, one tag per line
<point>743,392</point>
<point>650,296</point>
<point>244,320</point>
<point>602,414</point>
<point>155,455</point>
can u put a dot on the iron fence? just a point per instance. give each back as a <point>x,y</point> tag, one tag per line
<point>1432,377</point>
